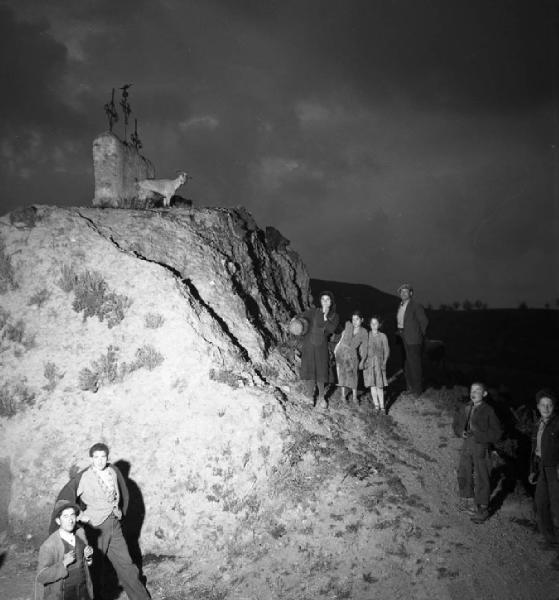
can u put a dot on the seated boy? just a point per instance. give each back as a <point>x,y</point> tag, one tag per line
<point>478,425</point>
<point>64,559</point>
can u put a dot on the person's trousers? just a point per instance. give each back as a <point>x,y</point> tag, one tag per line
<point>111,543</point>
<point>412,367</point>
<point>474,468</point>
<point>547,503</point>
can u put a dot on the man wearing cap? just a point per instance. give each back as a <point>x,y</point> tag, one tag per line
<point>64,559</point>
<point>412,324</point>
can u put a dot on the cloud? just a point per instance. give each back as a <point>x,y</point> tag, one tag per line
<point>209,122</point>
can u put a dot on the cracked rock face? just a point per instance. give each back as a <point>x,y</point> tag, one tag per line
<point>143,329</point>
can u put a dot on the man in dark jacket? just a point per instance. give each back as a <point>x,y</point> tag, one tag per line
<point>478,425</point>
<point>544,472</point>
<point>412,324</point>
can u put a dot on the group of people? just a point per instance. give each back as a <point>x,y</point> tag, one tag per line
<point>358,349</point>
<point>478,425</point>
<point>476,422</point>
<point>72,560</point>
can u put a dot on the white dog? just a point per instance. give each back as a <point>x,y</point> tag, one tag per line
<point>164,187</point>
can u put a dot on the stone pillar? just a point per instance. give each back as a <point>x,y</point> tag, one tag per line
<point>116,168</point>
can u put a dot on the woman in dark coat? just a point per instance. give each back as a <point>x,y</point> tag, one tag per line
<point>315,357</point>
<point>545,468</point>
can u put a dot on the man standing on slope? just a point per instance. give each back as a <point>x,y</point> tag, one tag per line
<point>98,489</point>
<point>412,324</point>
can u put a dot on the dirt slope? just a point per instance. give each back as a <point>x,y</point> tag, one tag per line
<point>361,507</point>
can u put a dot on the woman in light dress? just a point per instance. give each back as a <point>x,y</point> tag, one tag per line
<point>350,353</point>
<point>374,373</point>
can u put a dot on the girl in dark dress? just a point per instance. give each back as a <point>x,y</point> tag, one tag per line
<point>315,357</point>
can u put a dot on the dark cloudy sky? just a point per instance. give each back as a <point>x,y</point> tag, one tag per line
<point>389,140</point>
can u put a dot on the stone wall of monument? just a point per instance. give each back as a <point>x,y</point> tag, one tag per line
<point>116,167</point>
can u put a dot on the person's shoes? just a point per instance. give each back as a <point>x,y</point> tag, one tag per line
<point>481,515</point>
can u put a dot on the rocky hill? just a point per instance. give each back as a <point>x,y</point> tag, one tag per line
<point>162,333</point>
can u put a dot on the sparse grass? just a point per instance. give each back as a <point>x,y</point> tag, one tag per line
<point>147,357</point>
<point>153,320</point>
<point>15,333</point>
<point>7,272</point>
<point>52,375</point>
<point>103,371</point>
<point>39,298</point>
<point>15,397</point>
<point>106,369</point>
<point>93,297</point>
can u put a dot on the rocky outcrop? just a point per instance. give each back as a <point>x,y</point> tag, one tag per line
<point>161,333</point>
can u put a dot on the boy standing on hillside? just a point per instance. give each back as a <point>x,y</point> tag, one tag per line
<point>98,489</point>
<point>478,425</point>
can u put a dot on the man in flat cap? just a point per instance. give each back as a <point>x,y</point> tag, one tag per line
<point>64,559</point>
<point>412,324</point>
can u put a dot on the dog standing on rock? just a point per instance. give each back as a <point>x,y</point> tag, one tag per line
<point>163,187</point>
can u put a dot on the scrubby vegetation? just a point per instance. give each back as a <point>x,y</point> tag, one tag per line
<point>93,297</point>
<point>7,272</point>
<point>53,375</point>
<point>107,369</point>
<point>15,396</point>
<point>39,298</point>
<point>14,335</point>
<point>154,320</point>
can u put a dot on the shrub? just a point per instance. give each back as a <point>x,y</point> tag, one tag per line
<point>68,279</point>
<point>15,332</point>
<point>147,356</point>
<point>15,396</point>
<point>153,320</point>
<point>92,296</point>
<point>4,317</point>
<point>106,369</point>
<point>103,370</point>
<point>39,298</point>
<point>7,272</point>
<point>52,375</point>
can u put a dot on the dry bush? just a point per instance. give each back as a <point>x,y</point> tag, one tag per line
<point>154,320</point>
<point>93,297</point>
<point>4,317</point>
<point>147,357</point>
<point>107,369</point>
<point>7,272</point>
<point>15,396</point>
<point>14,333</point>
<point>52,375</point>
<point>39,298</point>
<point>68,278</point>
<point>104,370</point>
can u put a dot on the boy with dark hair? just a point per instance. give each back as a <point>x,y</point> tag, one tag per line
<point>64,559</point>
<point>479,427</point>
<point>98,489</point>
